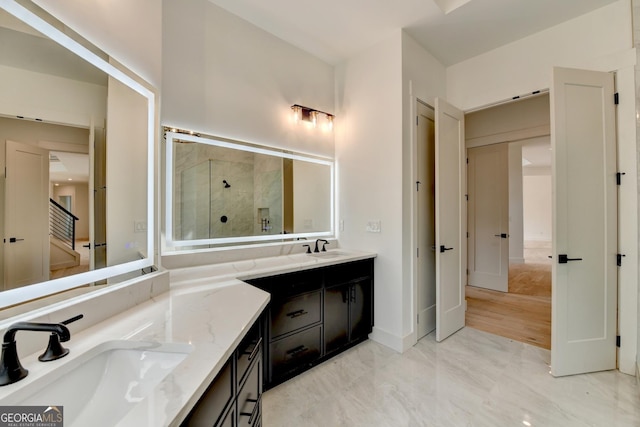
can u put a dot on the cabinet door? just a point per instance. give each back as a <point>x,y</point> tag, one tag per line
<point>336,317</point>
<point>360,310</point>
<point>212,404</point>
<point>250,397</point>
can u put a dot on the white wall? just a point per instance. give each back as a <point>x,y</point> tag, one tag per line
<point>131,31</point>
<point>36,95</point>
<point>516,231</point>
<point>126,173</point>
<point>224,76</point>
<point>536,196</point>
<point>597,40</point>
<point>369,172</point>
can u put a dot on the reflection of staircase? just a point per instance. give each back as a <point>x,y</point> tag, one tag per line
<point>61,255</point>
<point>62,237</point>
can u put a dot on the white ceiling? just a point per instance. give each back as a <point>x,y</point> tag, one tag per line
<point>335,30</point>
<point>68,167</point>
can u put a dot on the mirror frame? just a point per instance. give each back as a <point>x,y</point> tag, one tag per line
<point>38,290</point>
<point>172,134</point>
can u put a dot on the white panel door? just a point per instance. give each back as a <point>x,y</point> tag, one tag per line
<point>451,213</point>
<point>26,240</point>
<point>488,189</point>
<point>584,276</point>
<point>425,188</point>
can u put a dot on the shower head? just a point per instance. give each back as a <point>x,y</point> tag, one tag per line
<point>226,184</point>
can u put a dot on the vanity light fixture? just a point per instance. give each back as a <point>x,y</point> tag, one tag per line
<point>310,115</point>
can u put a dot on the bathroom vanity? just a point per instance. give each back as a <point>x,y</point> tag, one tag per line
<point>319,306</point>
<point>315,314</point>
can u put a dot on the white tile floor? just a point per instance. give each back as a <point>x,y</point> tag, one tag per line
<point>471,379</point>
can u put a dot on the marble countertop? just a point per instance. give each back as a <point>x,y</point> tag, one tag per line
<point>209,307</point>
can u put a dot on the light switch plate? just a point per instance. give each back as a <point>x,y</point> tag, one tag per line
<point>373,226</point>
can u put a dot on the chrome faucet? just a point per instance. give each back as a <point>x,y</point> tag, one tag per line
<point>325,242</point>
<point>11,370</point>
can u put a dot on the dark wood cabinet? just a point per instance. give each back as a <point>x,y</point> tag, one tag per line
<point>347,314</point>
<point>234,397</point>
<point>315,314</point>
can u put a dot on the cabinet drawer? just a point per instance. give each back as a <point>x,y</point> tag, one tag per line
<point>295,313</point>
<point>295,351</point>
<point>248,350</point>
<point>249,397</point>
<point>343,273</point>
<point>289,284</point>
<point>213,402</point>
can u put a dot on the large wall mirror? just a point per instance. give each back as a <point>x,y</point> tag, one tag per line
<point>224,193</point>
<point>76,140</point>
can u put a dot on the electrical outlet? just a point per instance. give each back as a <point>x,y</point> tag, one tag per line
<point>139,226</point>
<point>374,226</point>
<point>341,226</point>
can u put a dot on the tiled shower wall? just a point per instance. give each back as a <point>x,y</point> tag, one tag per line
<point>207,207</point>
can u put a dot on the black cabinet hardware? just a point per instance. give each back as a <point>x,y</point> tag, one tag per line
<point>296,313</point>
<point>296,350</point>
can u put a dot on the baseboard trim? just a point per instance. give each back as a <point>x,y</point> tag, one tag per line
<point>388,339</point>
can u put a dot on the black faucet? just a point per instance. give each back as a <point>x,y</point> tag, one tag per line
<point>323,248</point>
<point>11,369</point>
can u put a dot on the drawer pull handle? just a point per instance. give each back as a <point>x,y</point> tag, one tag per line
<point>296,350</point>
<point>253,413</point>
<point>256,349</point>
<point>297,313</point>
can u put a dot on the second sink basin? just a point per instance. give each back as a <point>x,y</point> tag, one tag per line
<point>328,254</point>
<point>99,387</point>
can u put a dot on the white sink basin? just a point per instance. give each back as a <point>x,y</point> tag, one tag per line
<point>328,254</point>
<point>99,387</point>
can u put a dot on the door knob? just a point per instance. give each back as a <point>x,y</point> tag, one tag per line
<point>442,249</point>
<point>14,239</point>
<point>502,235</point>
<point>564,258</point>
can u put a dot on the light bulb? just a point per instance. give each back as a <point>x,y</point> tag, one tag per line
<point>297,113</point>
<point>329,122</point>
<point>314,118</point>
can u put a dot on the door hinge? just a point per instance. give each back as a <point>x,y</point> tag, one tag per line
<point>416,120</point>
<point>619,259</point>
<point>466,196</point>
<point>619,177</point>
<point>417,252</point>
<point>618,341</point>
<point>616,98</point>
<point>467,160</point>
<point>467,234</point>
<point>467,271</point>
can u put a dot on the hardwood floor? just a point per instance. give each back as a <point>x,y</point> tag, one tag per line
<point>522,314</point>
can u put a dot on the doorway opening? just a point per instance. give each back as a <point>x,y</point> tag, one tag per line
<point>521,309</point>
